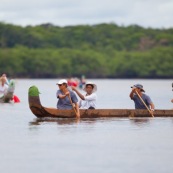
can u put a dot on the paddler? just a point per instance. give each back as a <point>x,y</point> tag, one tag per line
<point>88,100</point>
<point>66,98</point>
<point>140,99</point>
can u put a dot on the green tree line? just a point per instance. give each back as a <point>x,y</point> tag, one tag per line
<point>98,51</point>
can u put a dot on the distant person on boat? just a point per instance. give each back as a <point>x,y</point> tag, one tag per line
<point>82,82</point>
<point>65,97</point>
<point>88,100</point>
<point>73,82</point>
<point>5,76</point>
<point>138,96</point>
<point>3,86</point>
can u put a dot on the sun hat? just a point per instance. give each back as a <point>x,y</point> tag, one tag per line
<point>138,86</point>
<point>61,81</point>
<point>91,83</point>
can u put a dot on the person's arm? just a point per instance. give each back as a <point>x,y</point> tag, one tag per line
<point>6,89</point>
<point>62,96</point>
<point>75,102</point>
<point>172,100</point>
<point>152,107</point>
<point>151,104</point>
<point>78,93</point>
<point>132,93</point>
<point>90,97</point>
<point>7,81</point>
<point>77,110</point>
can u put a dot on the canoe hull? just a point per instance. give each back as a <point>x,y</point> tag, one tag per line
<point>40,111</point>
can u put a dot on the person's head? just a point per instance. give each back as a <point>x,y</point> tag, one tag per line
<point>62,84</point>
<point>90,87</point>
<point>139,87</point>
<point>3,80</point>
<point>3,75</point>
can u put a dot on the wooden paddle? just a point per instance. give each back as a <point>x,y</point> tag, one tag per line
<point>144,104</point>
<point>73,106</point>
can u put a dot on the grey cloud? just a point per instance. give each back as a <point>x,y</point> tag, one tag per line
<point>155,13</point>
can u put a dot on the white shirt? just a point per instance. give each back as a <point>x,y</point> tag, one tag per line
<point>3,89</point>
<point>90,100</point>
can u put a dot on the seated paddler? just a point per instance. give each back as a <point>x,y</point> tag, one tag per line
<point>88,99</point>
<point>140,99</point>
<point>66,99</point>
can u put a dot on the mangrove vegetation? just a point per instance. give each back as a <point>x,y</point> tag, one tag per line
<point>97,51</point>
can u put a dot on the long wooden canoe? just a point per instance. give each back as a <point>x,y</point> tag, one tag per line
<point>40,111</point>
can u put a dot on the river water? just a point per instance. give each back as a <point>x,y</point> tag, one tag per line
<point>103,145</point>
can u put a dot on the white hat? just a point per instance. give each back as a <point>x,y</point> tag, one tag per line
<point>61,81</point>
<point>90,83</point>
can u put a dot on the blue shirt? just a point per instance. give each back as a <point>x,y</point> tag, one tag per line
<point>65,102</point>
<point>139,104</point>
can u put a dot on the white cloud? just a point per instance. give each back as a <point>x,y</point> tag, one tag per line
<point>155,13</point>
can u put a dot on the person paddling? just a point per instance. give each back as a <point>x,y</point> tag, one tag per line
<point>3,86</point>
<point>88,100</point>
<point>11,86</point>
<point>140,99</point>
<point>66,98</point>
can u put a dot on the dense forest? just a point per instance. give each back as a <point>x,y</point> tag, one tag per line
<point>97,51</point>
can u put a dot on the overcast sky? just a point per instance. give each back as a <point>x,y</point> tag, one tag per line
<point>146,13</point>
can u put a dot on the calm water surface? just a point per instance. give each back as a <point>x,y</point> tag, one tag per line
<point>102,145</point>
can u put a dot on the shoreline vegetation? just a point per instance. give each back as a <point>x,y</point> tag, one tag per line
<point>96,51</point>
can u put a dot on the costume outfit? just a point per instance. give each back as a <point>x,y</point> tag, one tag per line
<point>89,102</point>
<point>139,104</point>
<point>65,102</point>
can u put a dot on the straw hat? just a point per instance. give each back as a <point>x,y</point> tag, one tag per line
<point>91,83</point>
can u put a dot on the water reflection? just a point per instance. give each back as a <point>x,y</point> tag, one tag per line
<point>140,121</point>
<point>39,121</point>
<point>86,121</point>
<point>61,121</point>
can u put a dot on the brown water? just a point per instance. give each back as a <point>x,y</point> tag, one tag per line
<point>99,145</point>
